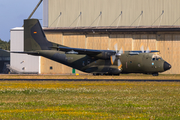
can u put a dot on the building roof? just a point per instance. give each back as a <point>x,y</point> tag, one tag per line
<point>115,29</point>
<point>4,53</point>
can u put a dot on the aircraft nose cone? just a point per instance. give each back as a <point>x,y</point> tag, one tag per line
<point>167,66</point>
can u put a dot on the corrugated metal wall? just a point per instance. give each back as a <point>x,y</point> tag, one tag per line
<point>46,64</point>
<point>76,13</point>
<point>88,13</point>
<point>167,42</point>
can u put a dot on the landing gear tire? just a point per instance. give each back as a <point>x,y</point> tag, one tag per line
<point>155,74</point>
<point>102,74</point>
<point>94,74</point>
<point>98,74</point>
<point>116,74</point>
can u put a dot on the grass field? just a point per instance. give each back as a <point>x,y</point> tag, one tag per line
<point>121,76</point>
<point>89,100</point>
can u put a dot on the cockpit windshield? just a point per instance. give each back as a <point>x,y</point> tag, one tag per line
<point>156,57</point>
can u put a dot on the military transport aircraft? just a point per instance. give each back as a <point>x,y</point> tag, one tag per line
<point>98,62</point>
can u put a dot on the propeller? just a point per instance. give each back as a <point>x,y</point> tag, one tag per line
<point>118,53</point>
<point>142,49</point>
<point>147,50</point>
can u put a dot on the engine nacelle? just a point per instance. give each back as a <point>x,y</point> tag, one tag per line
<point>104,55</point>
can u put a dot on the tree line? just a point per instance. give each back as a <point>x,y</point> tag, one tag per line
<point>4,45</point>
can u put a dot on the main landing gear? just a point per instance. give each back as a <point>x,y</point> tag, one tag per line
<point>104,74</point>
<point>98,74</point>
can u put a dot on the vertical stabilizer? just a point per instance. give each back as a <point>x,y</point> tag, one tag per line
<point>34,37</point>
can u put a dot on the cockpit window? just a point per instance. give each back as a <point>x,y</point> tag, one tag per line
<point>156,57</point>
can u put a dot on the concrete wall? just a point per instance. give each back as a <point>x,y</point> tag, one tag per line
<point>76,13</point>
<point>22,63</point>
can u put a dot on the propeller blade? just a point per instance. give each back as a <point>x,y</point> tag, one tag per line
<point>148,51</point>
<point>113,57</point>
<point>119,64</point>
<point>120,51</point>
<point>115,47</point>
<point>142,49</point>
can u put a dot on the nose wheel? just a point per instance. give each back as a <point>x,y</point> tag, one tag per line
<point>155,74</point>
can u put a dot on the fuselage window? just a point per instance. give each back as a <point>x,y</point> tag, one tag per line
<point>88,61</point>
<point>83,63</point>
<point>139,65</point>
<point>158,58</point>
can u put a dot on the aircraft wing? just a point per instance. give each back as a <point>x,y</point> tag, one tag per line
<point>152,51</point>
<point>83,51</point>
<point>92,51</point>
<point>137,52</point>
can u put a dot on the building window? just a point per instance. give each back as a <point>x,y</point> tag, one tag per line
<point>51,67</point>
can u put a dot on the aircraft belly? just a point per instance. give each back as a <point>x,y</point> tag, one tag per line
<point>60,58</point>
<point>94,66</point>
<point>101,66</point>
<point>55,55</point>
<point>78,61</point>
<point>103,69</point>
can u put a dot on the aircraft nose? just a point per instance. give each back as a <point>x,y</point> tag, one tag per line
<point>167,66</point>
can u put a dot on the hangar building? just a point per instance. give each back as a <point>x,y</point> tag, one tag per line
<point>99,24</point>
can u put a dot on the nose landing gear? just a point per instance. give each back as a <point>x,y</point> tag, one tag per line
<point>155,74</point>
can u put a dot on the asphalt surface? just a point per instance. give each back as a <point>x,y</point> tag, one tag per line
<point>128,80</point>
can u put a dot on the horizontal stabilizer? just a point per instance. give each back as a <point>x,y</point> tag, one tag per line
<point>29,52</point>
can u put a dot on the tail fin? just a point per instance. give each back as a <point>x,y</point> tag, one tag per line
<point>34,37</point>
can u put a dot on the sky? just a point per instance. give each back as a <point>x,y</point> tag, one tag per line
<point>13,13</point>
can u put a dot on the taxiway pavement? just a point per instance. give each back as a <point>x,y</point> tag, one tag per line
<point>127,80</point>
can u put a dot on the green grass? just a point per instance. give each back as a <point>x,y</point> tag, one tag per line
<point>75,77</point>
<point>89,100</point>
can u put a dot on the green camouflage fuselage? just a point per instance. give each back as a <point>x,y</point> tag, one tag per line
<point>140,63</point>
